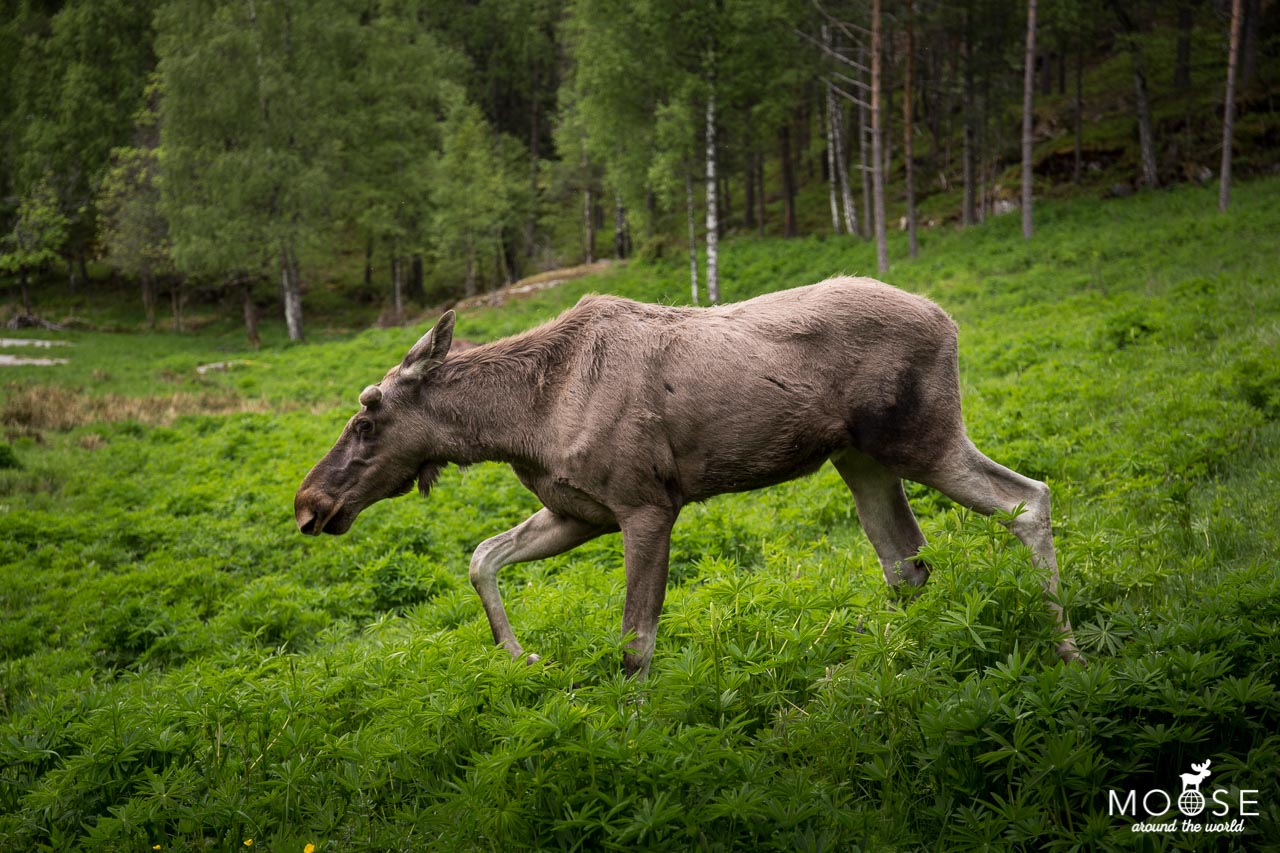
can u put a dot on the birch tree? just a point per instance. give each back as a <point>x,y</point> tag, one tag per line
<point>1229,107</point>
<point>877,143</point>
<point>1028,119</point>
<point>250,132</point>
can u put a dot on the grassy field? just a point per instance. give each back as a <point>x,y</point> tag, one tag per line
<point>180,669</point>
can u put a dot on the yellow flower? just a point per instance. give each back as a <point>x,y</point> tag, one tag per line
<point>248,842</point>
<point>155,847</point>
<point>310,848</point>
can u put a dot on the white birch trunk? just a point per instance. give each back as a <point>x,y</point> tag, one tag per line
<point>877,156</point>
<point>713,215</point>
<point>693,237</point>
<point>842,169</point>
<point>1229,107</point>
<point>864,157</point>
<point>291,293</point>
<point>833,179</point>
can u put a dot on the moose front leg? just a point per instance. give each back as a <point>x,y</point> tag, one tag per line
<point>646,547</point>
<point>543,534</point>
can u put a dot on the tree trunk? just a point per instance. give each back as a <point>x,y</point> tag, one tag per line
<point>693,236</point>
<point>250,314</point>
<point>788,181</point>
<point>26,292</point>
<point>1251,13</point>
<point>415,289</point>
<point>833,180</point>
<point>842,172</point>
<point>531,226</point>
<point>1146,141</point>
<point>368,261</point>
<point>864,157</point>
<point>469,281</point>
<point>908,144</point>
<point>176,298</point>
<point>1077,117</point>
<point>749,191</point>
<point>877,159</point>
<point>397,285</point>
<point>760,194</point>
<point>1182,61</point>
<point>149,299</point>
<point>713,212</point>
<point>1028,121</point>
<point>966,155</point>
<point>291,292</point>
<point>1229,106</point>
<point>588,225</point>
<point>621,234</point>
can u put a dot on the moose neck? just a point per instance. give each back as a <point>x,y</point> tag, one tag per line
<point>492,399</point>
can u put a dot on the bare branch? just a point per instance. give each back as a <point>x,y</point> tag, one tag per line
<point>844,26</point>
<point>848,96</point>
<point>831,52</point>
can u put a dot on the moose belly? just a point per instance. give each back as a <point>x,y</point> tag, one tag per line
<point>560,496</point>
<point>738,454</point>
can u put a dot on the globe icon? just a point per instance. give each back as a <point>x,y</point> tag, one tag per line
<point>1191,802</point>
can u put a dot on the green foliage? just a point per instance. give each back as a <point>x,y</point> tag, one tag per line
<point>477,192</point>
<point>179,667</point>
<point>134,229</point>
<point>39,233</point>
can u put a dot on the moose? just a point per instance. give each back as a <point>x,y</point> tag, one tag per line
<point>619,413</point>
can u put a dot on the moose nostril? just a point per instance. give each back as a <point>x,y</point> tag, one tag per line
<point>307,522</point>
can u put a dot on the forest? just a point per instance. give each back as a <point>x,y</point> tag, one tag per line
<point>396,155</point>
<point>220,221</point>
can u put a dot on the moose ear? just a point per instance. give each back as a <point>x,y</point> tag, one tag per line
<point>430,351</point>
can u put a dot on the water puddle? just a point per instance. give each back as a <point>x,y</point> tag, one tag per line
<point>23,361</point>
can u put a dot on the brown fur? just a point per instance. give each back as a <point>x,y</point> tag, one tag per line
<point>618,413</point>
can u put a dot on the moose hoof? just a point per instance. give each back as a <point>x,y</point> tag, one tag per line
<point>532,659</point>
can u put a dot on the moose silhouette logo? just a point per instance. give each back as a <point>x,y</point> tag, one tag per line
<point>1191,801</point>
<point>1160,810</point>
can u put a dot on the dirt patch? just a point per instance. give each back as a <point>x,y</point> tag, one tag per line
<point>20,361</point>
<point>532,284</point>
<point>41,343</point>
<point>24,360</point>
<point>31,410</point>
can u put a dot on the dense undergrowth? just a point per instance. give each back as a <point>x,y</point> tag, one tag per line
<point>179,668</point>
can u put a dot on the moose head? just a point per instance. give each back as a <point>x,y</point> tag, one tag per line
<point>384,448</point>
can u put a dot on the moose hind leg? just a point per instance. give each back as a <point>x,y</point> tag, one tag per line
<point>968,477</point>
<point>543,534</point>
<point>886,517</point>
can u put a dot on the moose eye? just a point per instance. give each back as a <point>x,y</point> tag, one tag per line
<point>363,427</point>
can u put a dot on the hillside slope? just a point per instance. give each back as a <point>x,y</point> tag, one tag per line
<point>178,667</point>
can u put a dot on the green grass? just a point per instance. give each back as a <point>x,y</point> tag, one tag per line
<point>178,667</point>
